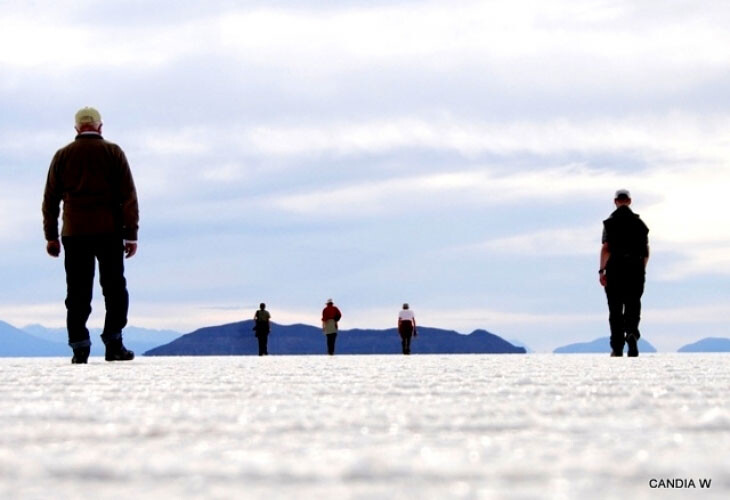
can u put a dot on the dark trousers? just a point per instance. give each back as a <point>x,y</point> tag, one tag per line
<point>331,337</point>
<point>624,288</point>
<point>405,329</point>
<point>81,254</point>
<point>263,343</point>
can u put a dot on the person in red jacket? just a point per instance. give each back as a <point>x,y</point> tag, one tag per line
<point>330,317</point>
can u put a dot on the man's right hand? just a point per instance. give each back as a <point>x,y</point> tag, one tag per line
<point>53,248</point>
<point>130,248</point>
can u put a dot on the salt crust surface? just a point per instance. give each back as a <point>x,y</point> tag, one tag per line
<point>362,427</point>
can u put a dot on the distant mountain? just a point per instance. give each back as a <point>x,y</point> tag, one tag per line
<point>238,339</point>
<point>137,339</point>
<point>599,345</point>
<point>710,344</point>
<point>16,343</point>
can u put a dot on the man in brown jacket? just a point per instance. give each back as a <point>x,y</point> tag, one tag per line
<point>100,221</point>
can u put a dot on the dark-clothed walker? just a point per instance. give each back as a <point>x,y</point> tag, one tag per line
<point>100,221</point>
<point>331,316</point>
<point>262,328</point>
<point>624,256</point>
<point>406,327</point>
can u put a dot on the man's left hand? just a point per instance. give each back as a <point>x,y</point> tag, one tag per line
<point>53,248</point>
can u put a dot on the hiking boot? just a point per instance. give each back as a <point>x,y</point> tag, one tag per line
<point>633,344</point>
<point>616,354</point>
<point>117,352</point>
<point>81,356</point>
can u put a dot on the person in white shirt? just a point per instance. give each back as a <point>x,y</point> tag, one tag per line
<point>406,327</point>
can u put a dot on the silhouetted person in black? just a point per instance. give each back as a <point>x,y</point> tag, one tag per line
<point>624,255</point>
<point>100,220</point>
<point>262,329</point>
<point>406,327</point>
<point>331,316</point>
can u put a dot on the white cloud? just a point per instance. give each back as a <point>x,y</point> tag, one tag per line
<point>548,242</point>
<point>179,316</point>
<point>484,186</point>
<point>225,173</point>
<point>548,35</point>
<point>667,138</point>
<point>39,40</point>
<point>700,314</point>
<point>688,218</point>
<point>677,135</point>
<point>693,204</point>
<point>491,318</point>
<point>694,259</point>
<point>555,43</point>
<point>20,212</point>
<point>47,314</point>
<point>185,141</point>
<point>20,142</point>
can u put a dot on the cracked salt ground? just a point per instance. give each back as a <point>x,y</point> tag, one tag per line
<point>472,426</point>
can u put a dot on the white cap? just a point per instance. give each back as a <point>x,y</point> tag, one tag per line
<point>622,193</point>
<point>87,115</point>
<point>330,301</point>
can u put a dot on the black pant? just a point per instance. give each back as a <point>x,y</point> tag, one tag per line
<point>624,288</point>
<point>331,337</point>
<point>81,254</point>
<point>263,343</point>
<point>405,329</point>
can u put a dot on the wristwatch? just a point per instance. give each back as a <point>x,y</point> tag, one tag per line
<point>602,271</point>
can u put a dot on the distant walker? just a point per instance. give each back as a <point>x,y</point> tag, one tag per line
<point>331,316</point>
<point>406,327</point>
<point>624,256</point>
<point>262,328</point>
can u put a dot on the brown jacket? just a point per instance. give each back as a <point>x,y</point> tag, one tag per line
<point>92,177</point>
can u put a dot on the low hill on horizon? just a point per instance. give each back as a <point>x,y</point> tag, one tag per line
<point>599,345</point>
<point>39,341</point>
<point>709,344</point>
<point>137,339</point>
<point>14,342</point>
<point>238,339</point>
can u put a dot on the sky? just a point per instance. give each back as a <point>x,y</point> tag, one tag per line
<point>458,156</point>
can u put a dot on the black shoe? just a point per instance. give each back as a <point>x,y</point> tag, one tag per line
<point>117,352</point>
<point>633,344</point>
<point>81,356</point>
<point>616,354</point>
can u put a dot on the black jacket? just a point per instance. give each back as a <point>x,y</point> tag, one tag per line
<point>627,236</point>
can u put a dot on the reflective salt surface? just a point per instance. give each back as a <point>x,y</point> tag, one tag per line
<point>461,426</point>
